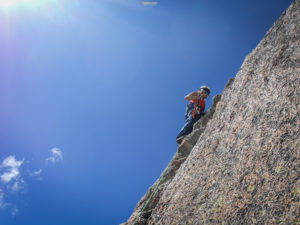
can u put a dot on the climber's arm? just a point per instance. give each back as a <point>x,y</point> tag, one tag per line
<point>192,96</point>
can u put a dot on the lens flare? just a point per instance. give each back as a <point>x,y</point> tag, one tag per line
<point>11,3</point>
<point>7,3</point>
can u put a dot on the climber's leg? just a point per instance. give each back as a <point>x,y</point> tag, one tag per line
<point>187,128</point>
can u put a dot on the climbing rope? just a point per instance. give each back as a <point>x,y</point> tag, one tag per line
<point>153,192</point>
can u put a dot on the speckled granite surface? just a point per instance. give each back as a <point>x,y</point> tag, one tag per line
<point>241,164</point>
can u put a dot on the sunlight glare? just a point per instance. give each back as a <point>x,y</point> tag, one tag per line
<point>7,3</point>
<point>11,3</point>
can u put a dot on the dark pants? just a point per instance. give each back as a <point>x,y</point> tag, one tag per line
<point>189,121</point>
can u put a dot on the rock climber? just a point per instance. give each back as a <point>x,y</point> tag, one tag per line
<point>194,110</point>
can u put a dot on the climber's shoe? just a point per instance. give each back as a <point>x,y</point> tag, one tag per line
<point>179,140</point>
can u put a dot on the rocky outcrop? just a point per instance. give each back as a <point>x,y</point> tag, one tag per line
<point>241,163</point>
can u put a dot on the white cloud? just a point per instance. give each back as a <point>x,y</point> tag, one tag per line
<point>12,166</point>
<point>3,204</point>
<point>56,155</point>
<point>14,211</point>
<point>11,161</point>
<point>11,180</point>
<point>131,4</point>
<point>36,173</point>
<point>7,177</point>
<point>18,185</point>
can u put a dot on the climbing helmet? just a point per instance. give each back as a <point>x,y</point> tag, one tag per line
<point>205,88</point>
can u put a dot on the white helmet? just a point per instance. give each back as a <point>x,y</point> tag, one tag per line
<point>205,88</point>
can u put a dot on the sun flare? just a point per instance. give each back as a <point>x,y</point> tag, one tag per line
<point>6,3</point>
<point>11,3</point>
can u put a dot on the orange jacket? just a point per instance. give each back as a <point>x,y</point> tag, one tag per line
<point>200,103</point>
<point>199,106</point>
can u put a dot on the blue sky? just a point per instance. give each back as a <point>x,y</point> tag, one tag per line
<point>92,96</point>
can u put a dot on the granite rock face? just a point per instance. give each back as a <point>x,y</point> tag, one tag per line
<point>241,164</point>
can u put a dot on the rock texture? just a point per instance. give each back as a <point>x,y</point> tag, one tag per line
<point>241,164</point>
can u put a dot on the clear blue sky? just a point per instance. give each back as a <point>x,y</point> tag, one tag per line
<point>92,96</point>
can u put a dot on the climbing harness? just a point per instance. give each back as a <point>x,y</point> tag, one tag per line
<point>198,107</point>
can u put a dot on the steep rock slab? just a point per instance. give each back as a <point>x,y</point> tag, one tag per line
<point>149,201</point>
<point>244,168</point>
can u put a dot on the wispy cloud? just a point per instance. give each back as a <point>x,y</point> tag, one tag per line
<point>135,5</point>
<point>36,173</point>
<point>11,179</point>
<point>17,185</point>
<point>14,211</point>
<point>13,174</point>
<point>11,167</point>
<point>3,204</point>
<point>7,177</point>
<point>11,161</point>
<point>56,156</point>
